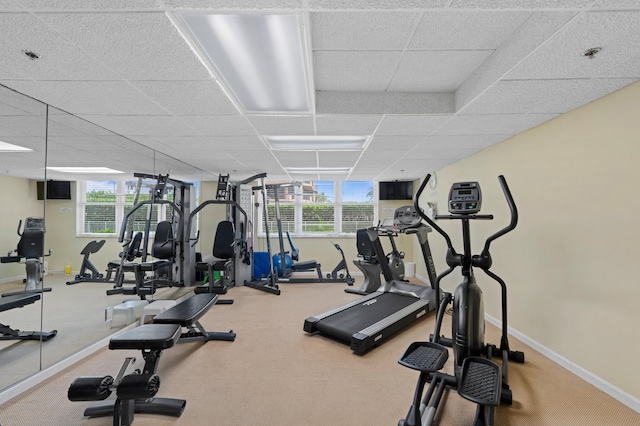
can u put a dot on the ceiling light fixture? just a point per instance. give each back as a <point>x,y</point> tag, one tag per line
<point>316,143</point>
<point>260,57</point>
<point>9,147</point>
<point>86,170</point>
<point>591,53</point>
<point>326,170</point>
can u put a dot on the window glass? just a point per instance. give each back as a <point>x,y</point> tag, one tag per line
<point>318,209</point>
<point>357,205</point>
<point>100,207</point>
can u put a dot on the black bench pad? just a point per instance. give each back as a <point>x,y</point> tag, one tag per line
<point>17,301</point>
<point>188,312</point>
<point>148,336</point>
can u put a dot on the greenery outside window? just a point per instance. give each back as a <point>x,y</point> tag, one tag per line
<point>102,205</point>
<point>322,207</point>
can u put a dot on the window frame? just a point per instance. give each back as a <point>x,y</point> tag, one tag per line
<point>120,205</point>
<point>337,218</point>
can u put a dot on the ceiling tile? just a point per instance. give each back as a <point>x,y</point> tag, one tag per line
<point>410,124</point>
<point>137,46</point>
<point>202,97</point>
<point>338,158</point>
<point>89,5</point>
<point>617,33</point>
<point>80,97</point>
<point>235,4</point>
<point>219,125</point>
<point>59,59</point>
<point>436,71</point>
<point>190,143</point>
<point>157,125</point>
<point>521,4</point>
<point>354,70</point>
<point>378,4</point>
<point>396,142</point>
<point>630,68</point>
<point>297,158</point>
<point>465,30</point>
<point>239,143</point>
<point>361,30</point>
<point>283,125</point>
<point>352,125</point>
<point>542,96</point>
<point>382,156</point>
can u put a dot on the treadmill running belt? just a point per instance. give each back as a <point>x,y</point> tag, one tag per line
<point>344,324</point>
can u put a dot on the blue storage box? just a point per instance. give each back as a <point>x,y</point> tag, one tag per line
<point>260,265</point>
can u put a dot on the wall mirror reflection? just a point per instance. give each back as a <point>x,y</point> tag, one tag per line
<point>22,166</point>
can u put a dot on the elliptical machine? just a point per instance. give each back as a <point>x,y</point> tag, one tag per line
<point>476,377</point>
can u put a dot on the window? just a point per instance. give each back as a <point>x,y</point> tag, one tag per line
<point>102,206</point>
<point>322,207</point>
<point>357,206</point>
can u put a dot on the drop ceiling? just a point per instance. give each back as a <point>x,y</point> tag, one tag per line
<point>427,82</point>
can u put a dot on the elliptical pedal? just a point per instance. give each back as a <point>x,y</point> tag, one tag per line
<point>480,381</point>
<point>424,356</point>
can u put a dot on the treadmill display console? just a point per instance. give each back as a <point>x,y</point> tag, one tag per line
<point>465,198</point>
<point>406,217</point>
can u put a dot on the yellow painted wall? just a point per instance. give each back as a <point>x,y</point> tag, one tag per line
<point>569,264</point>
<point>19,200</point>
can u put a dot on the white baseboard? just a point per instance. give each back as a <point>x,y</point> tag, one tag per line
<point>608,388</point>
<point>11,279</point>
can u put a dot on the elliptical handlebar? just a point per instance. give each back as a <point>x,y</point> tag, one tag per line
<point>512,208</point>
<point>510,227</point>
<point>427,218</point>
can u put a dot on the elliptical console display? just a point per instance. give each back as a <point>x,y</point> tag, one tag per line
<point>465,198</point>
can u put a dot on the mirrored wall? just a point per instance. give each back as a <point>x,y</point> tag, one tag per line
<point>57,146</point>
<point>23,127</point>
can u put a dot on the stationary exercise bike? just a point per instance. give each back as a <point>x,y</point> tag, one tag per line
<point>31,250</point>
<point>476,377</point>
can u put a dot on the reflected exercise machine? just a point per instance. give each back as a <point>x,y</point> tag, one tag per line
<point>31,250</point>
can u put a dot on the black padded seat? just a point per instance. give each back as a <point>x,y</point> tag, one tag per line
<point>188,312</point>
<point>147,336</point>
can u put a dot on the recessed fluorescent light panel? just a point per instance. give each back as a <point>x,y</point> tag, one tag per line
<point>316,143</point>
<point>8,147</point>
<point>85,170</point>
<point>324,170</point>
<point>260,57</point>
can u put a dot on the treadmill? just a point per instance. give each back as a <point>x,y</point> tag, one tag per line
<point>371,320</point>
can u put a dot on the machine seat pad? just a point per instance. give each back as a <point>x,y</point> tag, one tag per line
<point>126,266</point>
<point>188,312</point>
<point>218,265</point>
<point>304,266</point>
<point>156,264</point>
<point>17,301</point>
<point>147,336</point>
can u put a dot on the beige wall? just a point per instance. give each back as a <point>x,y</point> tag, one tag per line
<point>19,200</point>
<point>569,263</point>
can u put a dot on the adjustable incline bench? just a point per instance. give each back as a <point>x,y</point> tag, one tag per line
<point>135,392</point>
<point>18,301</point>
<point>186,314</point>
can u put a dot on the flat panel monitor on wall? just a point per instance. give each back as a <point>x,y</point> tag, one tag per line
<point>396,190</point>
<point>58,190</point>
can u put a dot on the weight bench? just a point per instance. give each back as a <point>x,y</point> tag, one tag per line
<point>18,301</point>
<point>136,391</point>
<point>186,314</point>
